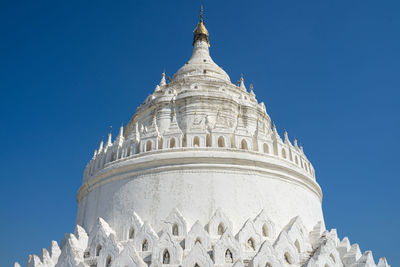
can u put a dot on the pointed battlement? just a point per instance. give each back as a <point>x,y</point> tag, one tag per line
<point>218,246</point>
<point>217,135</point>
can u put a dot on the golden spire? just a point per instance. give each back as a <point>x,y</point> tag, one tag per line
<point>201,33</point>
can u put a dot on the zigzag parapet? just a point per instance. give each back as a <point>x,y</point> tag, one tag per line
<point>204,246</point>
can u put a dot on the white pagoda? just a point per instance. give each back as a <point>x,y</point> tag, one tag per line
<point>200,178</point>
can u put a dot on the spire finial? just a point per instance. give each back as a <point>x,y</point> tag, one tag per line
<point>201,33</point>
<point>121,130</point>
<point>286,137</point>
<point>163,82</point>
<point>109,141</point>
<point>242,86</point>
<point>101,145</point>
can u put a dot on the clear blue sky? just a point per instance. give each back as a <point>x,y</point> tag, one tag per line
<point>328,72</point>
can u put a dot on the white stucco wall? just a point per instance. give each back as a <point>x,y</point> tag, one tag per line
<point>197,182</point>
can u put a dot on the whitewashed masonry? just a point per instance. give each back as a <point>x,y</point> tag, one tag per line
<point>257,244</point>
<point>206,148</point>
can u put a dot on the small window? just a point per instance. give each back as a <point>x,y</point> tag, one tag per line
<point>208,140</point>
<point>250,244</point>
<point>98,249</point>
<point>288,258</point>
<point>244,145</point>
<point>166,257</point>
<point>175,230</point>
<point>283,153</point>
<point>265,230</point>
<point>228,256</point>
<point>296,160</point>
<point>297,245</point>
<point>128,151</point>
<point>160,143</point>
<point>196,141</point>
<point>266,148</point>
<point>148,145</point>
<point>172,143</point>
<point>221,229</point>
<point>332,257</point>
<point>204,71</point>
<point>145,245</point>
<point>221,141</point>
<point>131,234</point>
<point>198,241</point>
<point>268,264</point>
<point>108,261</point>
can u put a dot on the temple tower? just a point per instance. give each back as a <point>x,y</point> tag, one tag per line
<point>199,143</point>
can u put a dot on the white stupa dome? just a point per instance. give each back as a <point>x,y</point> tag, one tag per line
<point>199,144</point>
<point>200,178</point>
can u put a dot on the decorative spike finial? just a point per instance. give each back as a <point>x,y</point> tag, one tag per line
<point>101,145</point>
<point>252,91</point>
<point>109,141</point>
<point>201,33</point>
<point>242,86</point>
<point>287,140</point>
<point>120,138</point>
<point>163,82</point>
<point>121,130</point>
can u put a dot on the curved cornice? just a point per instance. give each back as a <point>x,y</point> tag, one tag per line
<point>200,159</point>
